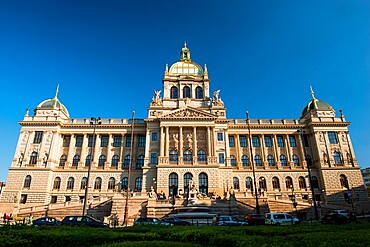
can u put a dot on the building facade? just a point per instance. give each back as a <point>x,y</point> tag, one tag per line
<point>186,138</point>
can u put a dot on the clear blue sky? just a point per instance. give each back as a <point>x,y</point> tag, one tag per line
<point>108,56</point>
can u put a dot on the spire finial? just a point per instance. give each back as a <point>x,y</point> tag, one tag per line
<point>312,92</point>
<point>56,91</point>
<point>185,44</point>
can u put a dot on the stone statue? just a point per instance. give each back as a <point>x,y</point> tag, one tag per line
<point>215,95</point>
<point>189,137</point>
<point>176,139</point>
<point>20,158</point>
<point>152,193</point>
<point>216,101</point>
<point>156,100</point>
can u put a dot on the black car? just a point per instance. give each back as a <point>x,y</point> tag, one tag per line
<point>175,221</point>
<point>82,221</point>
<point>334,218</point>
<point>46,221</point>
<point>150,221</point>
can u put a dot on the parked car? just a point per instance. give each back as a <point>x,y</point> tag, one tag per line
<point>255,219</point>
<point>46,221</point>
<point>335,218</point>
<point>280,219</point>
<point>346,213</point>
<point>151,221</point>
<point>83,221</point>
<point>175,221</point>
<point>228,221</point>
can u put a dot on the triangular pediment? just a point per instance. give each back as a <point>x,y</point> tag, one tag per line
<point>189,113</point>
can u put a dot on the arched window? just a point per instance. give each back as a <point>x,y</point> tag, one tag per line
<point>337,158</point>
<point>75,161</point>
<point>245,160</point>
<point>27,182</point>
<point>70,183</point>
<point>187,177</point>
<point>186,92</point>
<point>249,183</point>
<point>33,158</point>
<point>233,160</point>
<point>140,161</point>
<point>83,183</point>
<point>258,160</point>
<point>275,183</point>
<point>56,185</point>
<point>126,161</point>
<point>124,183</point>
<point>302,182</point>
<point>97,184</point>
<point>283,160</point>
<point>289,183</point>
<point>63,160</point>
<point>173,156</point>
<point>173,183</point>
<point>188,156</point>
<point>295,160</point>
<point>262,183</point>
<point>270,160</point>
<point>203,183</point>
<point>174,94</point>
<point>138,184</point>
<point>115,160</point>
<point>344,181</point>
<point>111,183</point>
<point>102,160</point>
<point>199,93</point>
<point>236,183</point>
<point>88,160</point>
<point>201,156</point>
<point>315,182</point>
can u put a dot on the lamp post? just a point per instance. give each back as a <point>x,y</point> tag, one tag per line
<point>295,204</point>
<point>258,211</point>
<point>309,174</point>
<point>129,170</point>
<point>94,122</point>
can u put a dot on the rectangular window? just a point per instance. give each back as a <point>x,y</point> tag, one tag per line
<point>231,141</point>
<point>256,141</point>
<point>117,141</point>
<point>79,141</point>
<point>153,158</point>
<point>23,198</point>
<point>66,141</point>
<point>332,137</point>
<point>280,141</point>
<point>104,141</point>
<point>305,141</point>
<point>154,136</point>
<point>220,137</point>
<point>91,141</point>
<point>292,141</point>
<point>38,137</point>
<point>243,141</point>
<point>128,141</point>
<point>53,199</point>
<point>268,141</point>
<point>221,158</point>
<point>141,141</point>
<point>68,198</point>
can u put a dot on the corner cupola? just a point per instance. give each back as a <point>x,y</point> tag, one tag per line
<point>317,108</point>
<point>52,107</point>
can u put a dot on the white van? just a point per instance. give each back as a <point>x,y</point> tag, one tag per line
<point>280,219</point>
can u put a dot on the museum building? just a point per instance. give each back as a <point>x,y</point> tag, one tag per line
<point>186,138</point>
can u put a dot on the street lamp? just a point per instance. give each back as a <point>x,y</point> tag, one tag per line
<point>258,211</point>
<point>295,204</point>
<point>301,131</point>
<point>94,122</point>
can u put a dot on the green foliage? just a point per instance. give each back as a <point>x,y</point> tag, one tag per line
<point>179,236</point>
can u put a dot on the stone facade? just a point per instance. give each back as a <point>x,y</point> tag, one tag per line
<point>186,138</point>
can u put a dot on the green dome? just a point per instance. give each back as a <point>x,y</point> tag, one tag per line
<point>318,105</point>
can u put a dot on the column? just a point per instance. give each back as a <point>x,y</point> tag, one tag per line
<point>276,151</point>
<point>147,148</point>
<point>227,148</point>
<point>301,151</point>
<point>289,152</point>
<point>181,144</point>
<point>263,149</point>
<point>72,144</point>
<point>109,152</point>
<point>195,149</point>
<point>214,141</point>
<point>167,141</point>
<point>162,143</point>
<point>84,151</point>
<point>209,142</point>
<point>96,154</point>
